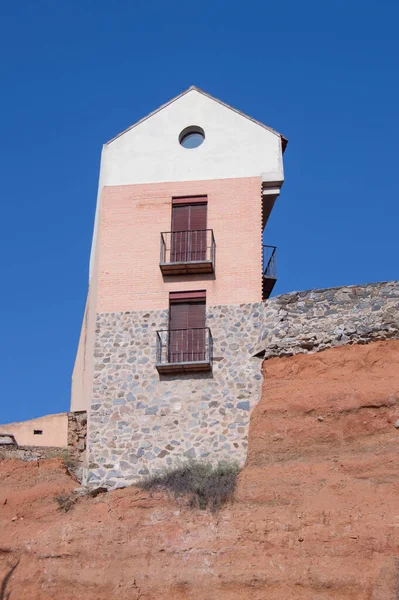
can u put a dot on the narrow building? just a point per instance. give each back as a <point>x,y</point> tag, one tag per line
<point>178,271</point>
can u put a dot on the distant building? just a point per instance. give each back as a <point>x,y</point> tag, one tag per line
<point>163,366</point>
<point>50,430</point>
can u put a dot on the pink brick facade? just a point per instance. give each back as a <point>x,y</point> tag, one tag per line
<point>132,218</point>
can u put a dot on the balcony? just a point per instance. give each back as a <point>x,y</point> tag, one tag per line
<point>187,252</point>
<point>184,350</point>
<point>269,270</point>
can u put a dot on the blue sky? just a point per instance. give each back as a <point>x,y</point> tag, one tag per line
<point>75,73</point>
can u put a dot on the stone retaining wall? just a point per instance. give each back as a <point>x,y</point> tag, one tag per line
<point>30,453</point>
<point>314,320</point>
<point>140,422</point>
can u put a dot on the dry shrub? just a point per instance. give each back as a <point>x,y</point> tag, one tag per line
<point>206,485</point>
<point>65,501</point>
<point>69,461</point>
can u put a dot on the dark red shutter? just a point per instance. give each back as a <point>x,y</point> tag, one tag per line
<point>180,218</point>
<point>188,237</point>
<point>196,331</point>
<point>187,335</point>
<point>194,296</point>
<point>178,320</point>
<point>197,216</point>
<point>196,315</point>
<point>178,316</point>
<point>189,200</point>
<point>179,236</point>
<point>198,213</point>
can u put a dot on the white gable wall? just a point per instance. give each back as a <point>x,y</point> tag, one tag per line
<point>234,146</point>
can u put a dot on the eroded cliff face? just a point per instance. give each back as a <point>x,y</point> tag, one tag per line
<point>316,514</point>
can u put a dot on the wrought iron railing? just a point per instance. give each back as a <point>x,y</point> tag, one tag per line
<point>184,346</point>
<point>269,262</point>
<point>188,246</point>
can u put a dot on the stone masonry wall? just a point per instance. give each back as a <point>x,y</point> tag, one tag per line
<point>140,421</point>
<point>32,453</point>
<point>77,434</point>
<point>315,320</point>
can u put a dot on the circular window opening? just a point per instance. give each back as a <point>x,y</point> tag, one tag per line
<point>192,137</point>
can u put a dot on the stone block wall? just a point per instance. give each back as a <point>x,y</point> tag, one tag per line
<point>32,453</point>
<point>77,435</point>
<point>140,422</point>
<point>315,320</point>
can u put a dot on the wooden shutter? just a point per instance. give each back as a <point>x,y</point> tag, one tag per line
<point>179,242</point>
<point>197,216</point>
<point>196,342</point>
<point>197,224</point>
<point>187,335</point>
<point>194,296</point>
<point>196,315</point>
<point>189,236</point>
<point>178,316</point>
<point>178,319</point>
<point>180,217</point>
<point>189,200</point>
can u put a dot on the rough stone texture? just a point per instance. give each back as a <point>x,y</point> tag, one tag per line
<point>315,320</point>
<point>29,453</point>
<point>140,422</point>
<point>77,434</point>
<point>315,518</point>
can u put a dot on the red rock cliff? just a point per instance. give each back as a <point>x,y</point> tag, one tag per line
<point>316,514</point>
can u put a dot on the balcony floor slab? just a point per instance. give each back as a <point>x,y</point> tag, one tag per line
<point>187,268</point>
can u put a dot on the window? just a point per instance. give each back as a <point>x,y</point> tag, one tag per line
<point>191,137</point>
<point>38,432</point>
<point>187,334</point>
<point>189,237</point>
<point>186,345</point>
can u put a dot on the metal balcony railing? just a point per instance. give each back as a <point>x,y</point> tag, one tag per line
<point>269,270</point>
<point>269,262</point>
<point>180,350</point>
<point>187,251</point>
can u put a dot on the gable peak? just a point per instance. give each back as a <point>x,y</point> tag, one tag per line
<point>194,88</point>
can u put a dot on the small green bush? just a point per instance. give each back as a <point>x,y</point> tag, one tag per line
<point>206,485</point>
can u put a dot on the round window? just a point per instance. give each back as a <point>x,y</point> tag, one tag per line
<point>192,137</point>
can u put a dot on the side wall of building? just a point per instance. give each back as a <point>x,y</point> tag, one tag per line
<point>141,422</point>
<point>132,219</point>
<point>83,371</point>
<point>54,430</point>
<point>78,399</point>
